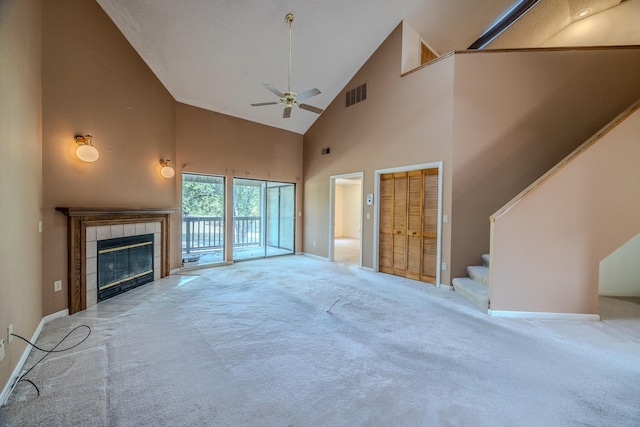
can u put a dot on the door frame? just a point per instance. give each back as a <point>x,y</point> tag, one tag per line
<point>332,209</point>
<point>376,212</point>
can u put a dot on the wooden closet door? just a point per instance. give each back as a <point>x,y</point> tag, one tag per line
<point>414,225</point>
<point>430,226</point>
<point>385,246</point>
<point>408,230</point>
<point>399,224</point>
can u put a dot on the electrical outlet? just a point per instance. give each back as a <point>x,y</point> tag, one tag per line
<point>1,348</point>
<point>444,266</point>
<point>57,286</point>
<point>10,333</point>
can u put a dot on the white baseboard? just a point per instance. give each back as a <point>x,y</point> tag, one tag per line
<point>543,315</point>
<point>8,388</point>
<point>445,287</point>
<point>316,256</point>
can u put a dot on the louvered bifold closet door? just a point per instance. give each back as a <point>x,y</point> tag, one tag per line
<point>408,230</point>
<point>400,223</point>
<point>385,261</point>
<point>414,225</point>
<point>430,226</point>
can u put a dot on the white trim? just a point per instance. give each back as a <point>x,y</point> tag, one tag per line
<point>11,383</point>
<point>376,210</point>
<point>315,256</point>
<point>443,286</point>
<point>332,207</point>
<point>200,267</point>
<point>543,315</point>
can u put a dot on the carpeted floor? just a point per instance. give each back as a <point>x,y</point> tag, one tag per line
<point>253,344</point>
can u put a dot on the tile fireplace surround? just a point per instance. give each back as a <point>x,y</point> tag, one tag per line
<point>86,226</point>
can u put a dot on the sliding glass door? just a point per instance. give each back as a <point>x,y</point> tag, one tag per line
<point>264,218</point>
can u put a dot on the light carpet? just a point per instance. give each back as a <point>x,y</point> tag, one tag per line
<point>252,344</point>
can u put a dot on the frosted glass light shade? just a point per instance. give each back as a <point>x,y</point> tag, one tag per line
<point>167,172</point>
<point>87,153</point>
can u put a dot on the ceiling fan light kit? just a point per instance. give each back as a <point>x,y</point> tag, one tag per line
<point>290,99</point>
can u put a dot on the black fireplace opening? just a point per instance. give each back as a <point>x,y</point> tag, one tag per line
<point>124,263</point>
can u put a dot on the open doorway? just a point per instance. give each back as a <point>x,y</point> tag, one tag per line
<point>346,219</point>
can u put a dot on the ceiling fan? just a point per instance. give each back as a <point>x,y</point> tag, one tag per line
<point>288,98</point>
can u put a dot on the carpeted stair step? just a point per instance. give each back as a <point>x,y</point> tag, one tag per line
<point>475,292</point>
<point>485,260</point>
<point>479,274</point>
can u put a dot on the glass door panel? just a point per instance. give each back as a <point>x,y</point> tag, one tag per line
<point>264,218</point>
<point>202,219</point>
<point>248,219</point>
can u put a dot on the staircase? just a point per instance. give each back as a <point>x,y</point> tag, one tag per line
<point>475,288</point>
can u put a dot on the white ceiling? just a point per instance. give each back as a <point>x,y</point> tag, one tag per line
<point>217,54</point>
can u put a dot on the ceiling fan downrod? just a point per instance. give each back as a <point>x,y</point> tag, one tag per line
<point>289,19</point>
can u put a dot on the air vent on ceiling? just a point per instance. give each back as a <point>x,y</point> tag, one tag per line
<point>356,95</point>
<point>326,151</point>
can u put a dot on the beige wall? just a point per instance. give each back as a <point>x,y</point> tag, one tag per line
<point>517,114</point>
<point>94,81</point>
<point>352,198</point>
<point>348,201</point>
<point>497,119</point>
<point>338,230</point>
<point>547,247</point>
<point>20,175</point>
<point>405,121</point>
<point>217,144</point>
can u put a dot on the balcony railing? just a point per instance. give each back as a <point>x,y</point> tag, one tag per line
<point>201,233</point>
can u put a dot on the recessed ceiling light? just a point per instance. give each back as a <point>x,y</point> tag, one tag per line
<point>583,13</point>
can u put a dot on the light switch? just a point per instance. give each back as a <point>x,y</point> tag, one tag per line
<point>370,199</point>
<point>368,215</point>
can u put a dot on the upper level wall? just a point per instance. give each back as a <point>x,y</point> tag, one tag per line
<point>547,245</point>
<point>20,174</point>
<point>518,113</point>
<point>94,81</point>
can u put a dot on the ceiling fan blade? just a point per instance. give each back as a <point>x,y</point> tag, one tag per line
<point>274,90</point>
<point>287,113</point>
<point>260,104</point>
<point>311,108</point>
<point>308,94</point>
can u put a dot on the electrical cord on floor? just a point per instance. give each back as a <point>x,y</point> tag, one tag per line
<point>48,352</point>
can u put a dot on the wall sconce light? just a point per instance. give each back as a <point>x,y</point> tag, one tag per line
<point>167,171</point>
<point>86,151</point>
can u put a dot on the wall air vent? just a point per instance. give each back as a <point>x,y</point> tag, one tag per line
<point>326,151</point>
<point>356,95</point>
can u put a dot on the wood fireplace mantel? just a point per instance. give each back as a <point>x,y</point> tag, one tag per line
<point>78,219</point>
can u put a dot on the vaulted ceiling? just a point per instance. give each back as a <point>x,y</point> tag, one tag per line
<point>217,54</point>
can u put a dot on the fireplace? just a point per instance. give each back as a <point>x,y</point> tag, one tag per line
<point>124,263</point>
<point>87,227</point>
